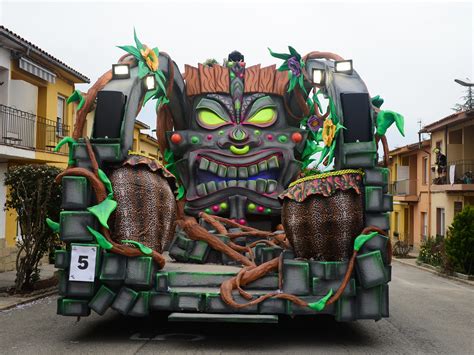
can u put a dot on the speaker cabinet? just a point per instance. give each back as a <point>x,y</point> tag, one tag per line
<point>357,118</point>
<point>109,114</point>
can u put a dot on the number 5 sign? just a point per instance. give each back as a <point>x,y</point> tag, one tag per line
<point>83,260</point>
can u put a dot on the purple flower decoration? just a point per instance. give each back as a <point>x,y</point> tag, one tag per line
<point>315,123</point>
<point>294,65</point>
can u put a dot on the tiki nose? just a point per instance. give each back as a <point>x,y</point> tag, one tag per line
<point>238,135</point>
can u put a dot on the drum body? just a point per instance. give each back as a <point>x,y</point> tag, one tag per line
<point>322,217</point>
<point>146,206</point>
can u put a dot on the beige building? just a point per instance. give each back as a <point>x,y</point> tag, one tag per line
<point>429,188</point>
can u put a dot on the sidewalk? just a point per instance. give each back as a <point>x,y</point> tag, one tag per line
<point>412,262</point>
<point>7,280</point>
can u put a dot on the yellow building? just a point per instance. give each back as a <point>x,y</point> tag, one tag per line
<point>34,117</point>
<point>429,188</point>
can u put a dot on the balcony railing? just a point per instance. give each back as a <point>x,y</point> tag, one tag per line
<point>403,187</point>
<point>463,173</point>
<point>26,130</point>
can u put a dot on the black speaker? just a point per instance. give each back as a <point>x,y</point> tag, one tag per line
<point>109,114</point>
<point>357,119</point>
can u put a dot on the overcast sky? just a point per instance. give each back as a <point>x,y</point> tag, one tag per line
<point>408,52</point>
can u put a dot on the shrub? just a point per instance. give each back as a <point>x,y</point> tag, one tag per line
<point>431,251</point>
<point>460,241</point>
<point>35,196</point>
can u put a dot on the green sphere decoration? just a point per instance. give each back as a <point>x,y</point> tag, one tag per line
<point>194,139</point>
<point>224,205</point>
<point>282,139</point>
<point>257,132</point>
<point>251,207</point>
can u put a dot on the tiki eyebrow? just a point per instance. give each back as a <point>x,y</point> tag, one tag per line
<point>260,103</point>
<point>215,107</point>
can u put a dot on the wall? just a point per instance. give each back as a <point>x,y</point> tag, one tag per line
<point>4,75</point>
<point>3,194</point>
<point>23,96</point>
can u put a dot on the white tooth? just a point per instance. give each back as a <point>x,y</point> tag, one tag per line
<point>221,185</point>
<point>232,183</point>
<point>261,185</point>
<point>271,186</point>
<point>242,183</point>
<point>222,171</point>
<point>232,172</point>
<point>252,185</point>
<point>243,173</point>
<point>273,163</point>
<point>201,190</point>
<point>253,170</point>
<point>213,167</point>
<point>211,187</point>
<point>262,166</point>
<point>203,164</point>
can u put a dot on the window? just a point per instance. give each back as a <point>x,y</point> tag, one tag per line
<point>457,207</point>
<point>424,226</point>
<point>440,226</point>
<point>60,116</point>
<point>425,171</point>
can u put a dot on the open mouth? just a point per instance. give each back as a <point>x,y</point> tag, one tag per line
<point>259,175</point>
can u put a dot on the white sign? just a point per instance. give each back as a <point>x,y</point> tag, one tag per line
<point>82,266</point>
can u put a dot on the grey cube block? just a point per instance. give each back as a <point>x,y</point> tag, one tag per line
<point>370,269</point>
<point>139,271</point>
<point>72,307</point>
<point>73,226</point>
<point>380,220</point>
<point>288,254</point>
<point>142,305</point>
<point>346,309</point>
<point>178,254</point>
<point>388,272</point>
<point>161,301</point>
<point>109,152</point>
<point>273,306</point>
<point>379,242</point>
<point>189,301</point>
<point>80,289</point>
<point>63,276</point>
<point>114,267</point>
<point>215,304</point>
<point>369,303</point>
<point>376,177</point>
<point>61,259</point>
<point>199,252</point>
<point>373,198</point>
<point>162,281</point>
<point>267,282</point>
<point>102,300</point>
<point>198,279</point>
<point>184,243</point>
<point>321,287</point>
<point>317,269</point>
<point>125,300</point>
<point>86,164</point>
<point>296,277</point>
<point>335,270</point>
<point>76,193</point>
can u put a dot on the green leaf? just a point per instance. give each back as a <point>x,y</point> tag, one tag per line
<point>70,141</point>
<point>143,69</point>
<point>324,153</point>
<point>161,75</point>
<point>169,156</point>
<point>293,81</point>
<point>361,239</point>
<point>144,249</point>
<point>294,53</point>
<point>101,240</point>
<point>377,101</point>
<point>181,192</point>
<point>137,41</point>
<point>104,178</point>
<point>54,226</point>
<point>157,52</point>
<point>161,85</point>
<point>103,210</point>
<point>319,305</point>
<point>77,96</point>
<point>132,50</point>
<point>149,95</point>
<point>283,56</point>
<point>386,118</point>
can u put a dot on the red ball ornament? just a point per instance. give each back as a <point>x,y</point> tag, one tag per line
<point>260,208</point>
<point>296,137</point>
<point>176,138</point>
<point>242,221</point>
<point>215,208</point>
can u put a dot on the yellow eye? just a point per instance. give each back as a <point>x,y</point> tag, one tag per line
<point>264,117</point>
<point>210,120</point>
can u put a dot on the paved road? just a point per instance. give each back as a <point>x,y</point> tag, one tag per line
<point>429,314</point>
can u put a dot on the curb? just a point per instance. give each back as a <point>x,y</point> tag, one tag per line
<point>466,282</point>
<point>29,299</point>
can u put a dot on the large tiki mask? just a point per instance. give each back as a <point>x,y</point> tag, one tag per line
<point>240,148</point>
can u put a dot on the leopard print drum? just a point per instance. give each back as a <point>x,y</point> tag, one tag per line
<point>322,216</point>
<point>146,206</point>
